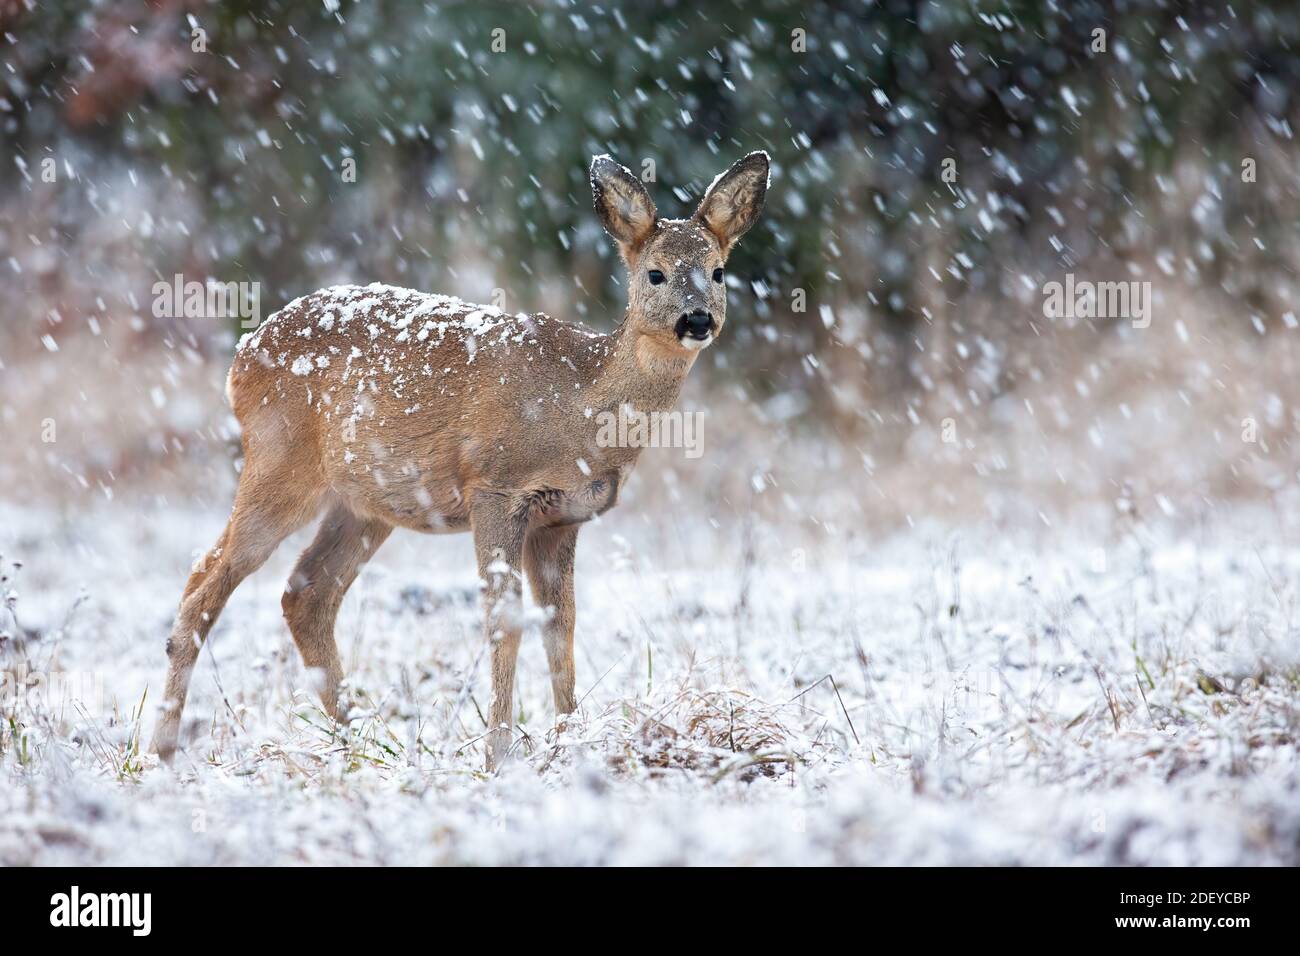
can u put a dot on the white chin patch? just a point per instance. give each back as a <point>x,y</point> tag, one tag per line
<point>696,345</point>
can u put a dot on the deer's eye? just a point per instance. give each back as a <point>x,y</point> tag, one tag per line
<point>656,277</point>
<point>717,275</point>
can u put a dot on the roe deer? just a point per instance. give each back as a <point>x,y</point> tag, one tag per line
<point>384,407</point>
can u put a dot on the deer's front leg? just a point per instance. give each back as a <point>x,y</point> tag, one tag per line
<point>548,558</point>
<point>499,523</point>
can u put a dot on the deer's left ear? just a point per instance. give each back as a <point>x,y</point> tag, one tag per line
<point>735,199</point>
<point>625,208</point>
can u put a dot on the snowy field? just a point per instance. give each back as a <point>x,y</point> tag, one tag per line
<point>940,696</point>
<point>990,553</point>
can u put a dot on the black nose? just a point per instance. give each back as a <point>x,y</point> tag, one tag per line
<point>697,325</point>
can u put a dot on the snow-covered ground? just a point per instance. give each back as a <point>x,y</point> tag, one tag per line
<point>937,696</point>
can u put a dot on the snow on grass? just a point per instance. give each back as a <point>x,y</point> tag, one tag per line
<point>936,697</point>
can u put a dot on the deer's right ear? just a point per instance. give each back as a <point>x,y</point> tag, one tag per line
<point>625,208</point>
<point>735,199</point>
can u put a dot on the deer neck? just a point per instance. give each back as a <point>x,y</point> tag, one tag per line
<point>642,371</point>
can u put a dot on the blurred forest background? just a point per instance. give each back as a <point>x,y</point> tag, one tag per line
<point>887,338</point>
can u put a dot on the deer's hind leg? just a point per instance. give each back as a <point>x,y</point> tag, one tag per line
<point>269,506</point>
<point>316,587</point>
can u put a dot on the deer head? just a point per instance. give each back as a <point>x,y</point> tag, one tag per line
<point>677,294</point>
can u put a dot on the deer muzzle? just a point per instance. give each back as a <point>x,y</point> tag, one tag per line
<point>697,325</point>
